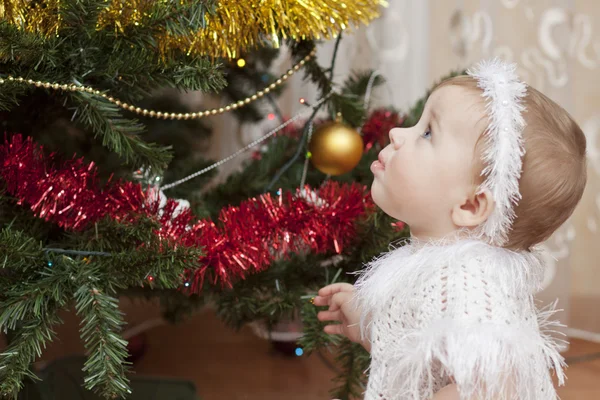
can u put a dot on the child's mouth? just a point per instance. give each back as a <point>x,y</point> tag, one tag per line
<point>378,164</point>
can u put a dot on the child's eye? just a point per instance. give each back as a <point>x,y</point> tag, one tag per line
<point>427,134</point>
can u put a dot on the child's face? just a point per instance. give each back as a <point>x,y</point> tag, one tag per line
<point>429,169</point>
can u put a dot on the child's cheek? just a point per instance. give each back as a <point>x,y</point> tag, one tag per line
<point>401,171</point>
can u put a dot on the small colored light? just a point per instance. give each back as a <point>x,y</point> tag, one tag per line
<point>302,100</point>
<point>187,284</point>
<point>299,351</point>
<point>157,178</point>
<point>50,263</point>
<point>241,63</point>
<point>279,192</point>
<point>308,154</point>
<point>151,278</point>
<point>271,116</point>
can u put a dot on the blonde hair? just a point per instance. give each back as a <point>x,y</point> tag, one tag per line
<point>554,167</point>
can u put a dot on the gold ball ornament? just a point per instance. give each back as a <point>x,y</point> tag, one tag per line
<point>335,148</point>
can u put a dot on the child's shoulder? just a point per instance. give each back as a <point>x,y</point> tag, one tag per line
<point>480,283</point>
<point>491,268</point>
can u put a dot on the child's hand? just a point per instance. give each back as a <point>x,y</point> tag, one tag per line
<point>338,297</point>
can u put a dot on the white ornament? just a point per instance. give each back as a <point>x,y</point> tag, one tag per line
<point>154,194</point>
<point>311,197</point>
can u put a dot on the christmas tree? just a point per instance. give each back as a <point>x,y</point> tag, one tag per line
<point>78,77</point>
<point>100,198</point>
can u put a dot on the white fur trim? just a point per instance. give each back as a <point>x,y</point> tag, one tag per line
<point>487,360</point>
<point>504,148</point>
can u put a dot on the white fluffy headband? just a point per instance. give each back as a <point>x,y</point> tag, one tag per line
<point>503,93</point>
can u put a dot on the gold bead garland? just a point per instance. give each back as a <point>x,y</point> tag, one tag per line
<point>160,114</point>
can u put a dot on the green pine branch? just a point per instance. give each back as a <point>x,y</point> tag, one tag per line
<point>351,358</point>
<point>80,16</point>
<point>101,236</point>
<point>351,103</point>
<point>10,94</point>
<point>132,73</point>
<point>34,285</point>
<point>276,293</point>
<point>194,74</point>
<point>312,69</point>
<point>137,254</point>
<point>22,49</point>
<point>349,100</point>
<point>29,311</point>
<point>358,82</point>
<point>27,344</point>
<point>351,380</point>
<point>349,106</point>
<point>96,302</point>
<point>119,134</point>
<point>18,251</point>
<point>177,18</point>
<point>313,338</point>
<point>101,322</point>
<point>165,264</point>
<point>33,298</point>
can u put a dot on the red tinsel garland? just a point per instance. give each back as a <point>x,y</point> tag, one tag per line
<point>66,193</point>
<point>246,239</point>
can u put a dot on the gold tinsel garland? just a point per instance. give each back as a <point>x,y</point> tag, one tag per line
<point>243,24</point>
<point>236,25</point>
<point>34,16</point>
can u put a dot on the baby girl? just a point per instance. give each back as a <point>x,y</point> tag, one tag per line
<point>491,170</point>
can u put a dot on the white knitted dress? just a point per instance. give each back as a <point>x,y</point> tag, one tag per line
<point>462,312</point>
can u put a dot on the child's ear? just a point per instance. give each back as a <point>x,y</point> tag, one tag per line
<point>473,210</point>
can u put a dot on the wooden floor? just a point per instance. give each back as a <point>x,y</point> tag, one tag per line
<point>239,366</point>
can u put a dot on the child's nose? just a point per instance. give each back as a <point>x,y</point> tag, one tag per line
<point>396,138</point>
